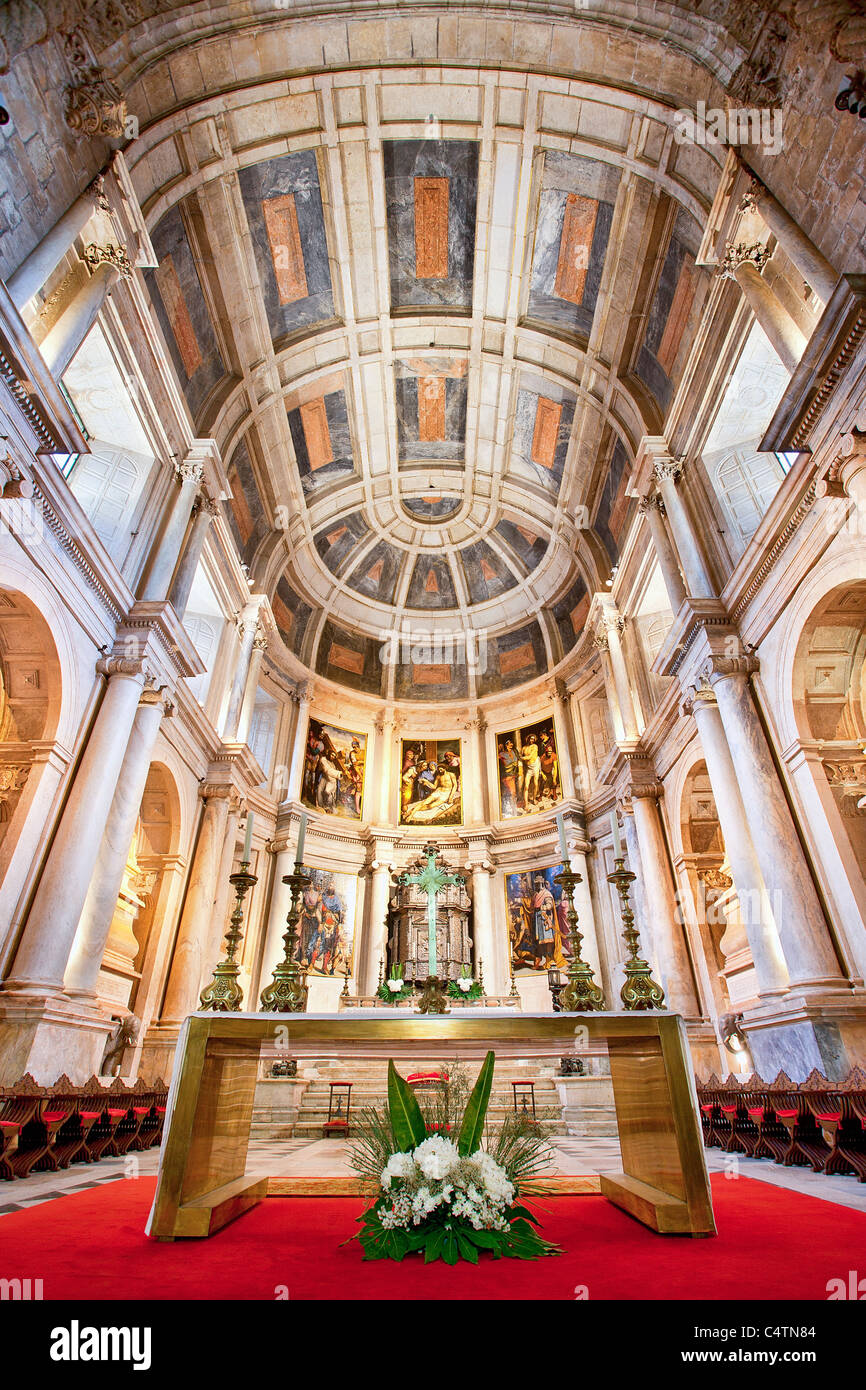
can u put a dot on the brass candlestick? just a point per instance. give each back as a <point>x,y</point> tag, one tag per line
<point>224,994</point>
<point>640,990</point>
<point>581,994</point>
<point>287,992</point>
<point>344,992</point>
<point>514,992</point>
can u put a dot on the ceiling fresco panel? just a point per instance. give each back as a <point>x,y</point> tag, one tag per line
<point>677,298</point>
<point>431,189</point>
<point>181,308</point>
<point>283,203</point>
<point>512,659</point>
<point>575,212</point>
<point>322,440</point>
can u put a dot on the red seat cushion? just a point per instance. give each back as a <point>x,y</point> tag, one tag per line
<point>757,1113</point>
<point>141,1110</point>
<point>828,1115</point>
<point>118,1114</point>
<point>52,1115</point>
<point>90,1114</point>
<point>707,1108</point>
<point>729,1109</point>
<point>9,1124</point>
<point>787,1114</point>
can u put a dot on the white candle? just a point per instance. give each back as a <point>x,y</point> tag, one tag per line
<point>617,842</point>
<point>563,847</point>
<point>248,840</point>
<point>302,834</point>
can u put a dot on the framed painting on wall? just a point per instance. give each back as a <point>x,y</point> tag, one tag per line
<point>536,912</point>
<point>333,779</point>
<point>430,783</point>
<point>528,764</point>
<point>326,927</point>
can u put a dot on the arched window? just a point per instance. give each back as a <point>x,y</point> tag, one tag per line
<point>263,729</point>
<point>746,483</point>
<point>204,634</point>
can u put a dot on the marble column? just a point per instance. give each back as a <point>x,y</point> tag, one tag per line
<point>215,943</point>
<point>260,646</point>
<point>742,264</point>
<point>29,278</point>
<point>203,513</point>
<point>165,552</point>
<point>564,738</point>
<point>278,911</point>
<point>756,911</point>
<point>60,345</point>
<point>193,933</point>
<point>638,896</point>
<point>667,471</point>
<point>52,922</point>
<point>585,914</point>
<point>82,971</point>
<point>653,508</point>
<point>474,785</point>
<point>378,923</point>
<point>304,697</point>
<point>248,631</point>
<point>483,930</point>
<point>614,625</point>
<point>667,931</point>
<point>815,269</point>
<point>809,954</point>
<point>385,731</point>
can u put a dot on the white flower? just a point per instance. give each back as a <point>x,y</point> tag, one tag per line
<point>398,1166</point>
<point>465,985</point>
<point>394,985</point>
<point>436,1157</point>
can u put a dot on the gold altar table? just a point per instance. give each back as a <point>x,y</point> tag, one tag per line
<point>203,1184</point>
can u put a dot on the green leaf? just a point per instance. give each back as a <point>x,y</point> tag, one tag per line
<point>487,1240</point>
<point>472,1127</point>
<point>450,1248</point>
<point>525,1213</point>
<point>433,1248</point>
<point>467,1250</point>
<point>408,1123</point>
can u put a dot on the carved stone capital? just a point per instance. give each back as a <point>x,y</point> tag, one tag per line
<point>743,253</point>
<point>124,666</point>
<point>600,640</point>
<point>189,470</point>
<point>668,469</point>
<point>154,694</point>
<point>719,667</point>
<point>94,105</point>
<point>752,197</point>
<point>303,693</point>
<point>653,502</point>
<point>699,693</point>
<point>96,192</point>
<point>646,791</point>
<point>108,255</point>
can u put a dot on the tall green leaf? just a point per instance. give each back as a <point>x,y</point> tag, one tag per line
<point>408,1123</point>
<point>472,1127</point>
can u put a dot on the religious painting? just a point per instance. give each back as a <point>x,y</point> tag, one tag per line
<point>333,779</point>
<point>528,761</point>
<point>537,919</point>
<point>326,927</point>
<point>430,787</point>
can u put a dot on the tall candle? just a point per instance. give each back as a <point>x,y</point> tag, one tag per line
<point>617,842</point>
<point>248,839</point>
<point>563,847</point>
<point>302,835</point>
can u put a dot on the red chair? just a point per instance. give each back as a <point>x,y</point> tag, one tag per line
<point>338,1118</point>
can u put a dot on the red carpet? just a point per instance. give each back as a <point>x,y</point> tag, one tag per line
<point>772,1244</point>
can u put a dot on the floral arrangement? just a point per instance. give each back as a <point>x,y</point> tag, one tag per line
<point>448,1199</point>
<point>395,987</point>
<point>464,987</point>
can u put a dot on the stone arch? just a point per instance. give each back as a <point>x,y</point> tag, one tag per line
<point>152,871</point>
<point>30,702</point>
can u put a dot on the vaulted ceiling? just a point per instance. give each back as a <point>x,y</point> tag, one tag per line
<point>427,314</point>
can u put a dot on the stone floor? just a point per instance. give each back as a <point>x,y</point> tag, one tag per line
<point>329,1158</point>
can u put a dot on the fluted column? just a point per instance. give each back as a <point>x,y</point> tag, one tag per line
<point>164,555</point>
<point>653,508</point>
<point>193,932</point>
<point>29,278</point>
<point>743,264</point>
<point>668,938</point>
<point>483,932</point>
<point>203,512</point>
<point>248,631</point>
<point>60,345</point>
<point>814,267</point>
<point>667,472</point>
<point>82,971</point>
<point>756,910</point>
<point>53,919</point>
<point>797,912</point>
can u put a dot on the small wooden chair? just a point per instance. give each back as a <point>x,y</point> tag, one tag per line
<point>524,1098</point>
<point>338,1118</point>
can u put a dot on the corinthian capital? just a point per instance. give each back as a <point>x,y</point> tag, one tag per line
<point>667,469</point>
<point>653,502</point>
<point>123,666</point>
<point>743,254</point>
<point>189,470</point>
<point>718,667</point>
<point>752,197</point>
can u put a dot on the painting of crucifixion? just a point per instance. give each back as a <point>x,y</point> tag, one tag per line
<point>430,783</point>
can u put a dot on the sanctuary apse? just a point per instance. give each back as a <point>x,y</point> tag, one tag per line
<point>406,428</point>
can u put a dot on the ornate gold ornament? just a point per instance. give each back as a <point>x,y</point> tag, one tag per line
<point>581,994</point>
<point>640,990</point>
<point>224,994</point>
